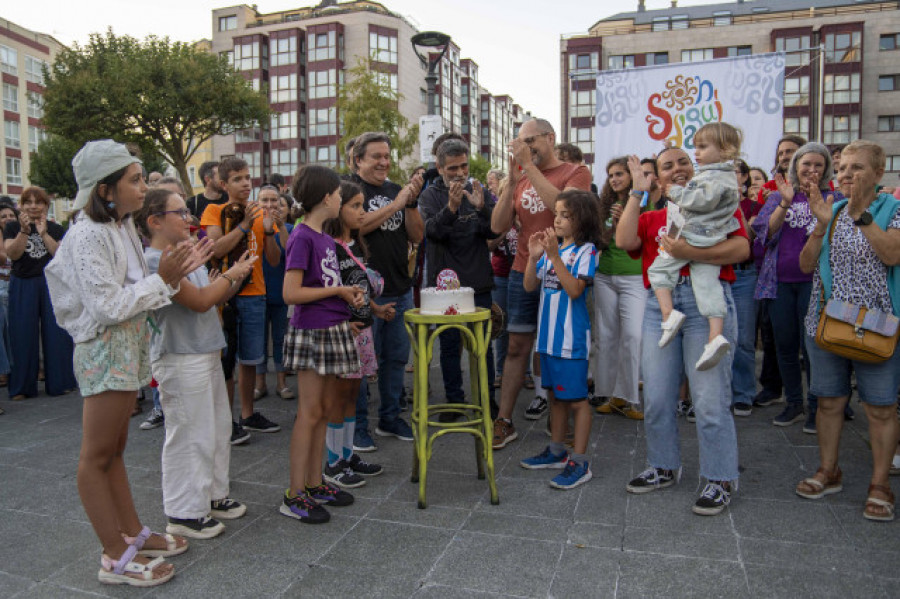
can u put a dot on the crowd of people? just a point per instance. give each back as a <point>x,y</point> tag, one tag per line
<point>646,298</point>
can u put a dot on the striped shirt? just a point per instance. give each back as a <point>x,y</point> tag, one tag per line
<point>564,327</point>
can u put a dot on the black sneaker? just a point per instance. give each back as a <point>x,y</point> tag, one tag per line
<point>792,413</point>
<point>742,409</point>
<point>154,420</point>
<point>238,435</point>
<point>259,423</point>
<point>330,495</point>
<point>714,499</point>
<point>652,479</point>
<point>360,466</point>
<point>767,398</point>
<point>341,475</point>
<point>304,508</point>
<point>227,509</point>
<point>195,528</point>
<point>537,408</point>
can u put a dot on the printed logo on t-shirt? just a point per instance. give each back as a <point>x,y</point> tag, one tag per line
<point>551,280</point>
<point>394,221</point>
<point>531,201</point>
<point>331,274</point>
<point>799,217</point>
<point>659,234</point>
<point>35,247</point>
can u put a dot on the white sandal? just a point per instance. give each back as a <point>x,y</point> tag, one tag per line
<point>123,570</point>
<point>172,547</point>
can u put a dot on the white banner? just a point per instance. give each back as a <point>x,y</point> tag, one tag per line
<point>639,110</point>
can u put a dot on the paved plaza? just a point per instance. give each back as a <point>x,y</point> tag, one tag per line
<point>595,541</point>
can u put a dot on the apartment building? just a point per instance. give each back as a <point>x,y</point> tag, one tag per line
<point>23,54</point>
<point>842,74</point>
<point>301,57</point>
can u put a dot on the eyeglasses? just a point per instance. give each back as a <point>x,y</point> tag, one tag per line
<point>184,213</point>
<point>531,140</point>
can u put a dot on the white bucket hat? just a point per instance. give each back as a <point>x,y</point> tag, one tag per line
<point>96,161</point>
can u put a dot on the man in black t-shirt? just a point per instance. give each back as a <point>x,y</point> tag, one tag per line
<point>212,192</point>
<point>392,221</point>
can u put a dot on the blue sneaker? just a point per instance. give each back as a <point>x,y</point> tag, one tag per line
<point>572,476</point>
<point>398,428</point>
<point>362,441</point>
<point>545,459</point>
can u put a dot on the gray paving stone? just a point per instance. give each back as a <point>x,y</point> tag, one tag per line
<point>656,540</point>
<point>437,516</point>
<point>803,556</point>
<point>439,591</point>
<point>323,582</point>
<point>670,510</point>
<point>780,582</point>
<point>592,534</point>
<point>534,498</point>
<point>523,527</point>
<point>11,585</point>
<point>448,490</point>
<point>788,521</point>
<point>586,572</point>
<point>46,590</point>
<point>647,575</point>
<point>485,563</point>
<point>36,546</point>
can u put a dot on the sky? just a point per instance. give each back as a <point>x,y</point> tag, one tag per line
<point>514,42</point>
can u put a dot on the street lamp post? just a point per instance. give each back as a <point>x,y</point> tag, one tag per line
<point>431,39</point>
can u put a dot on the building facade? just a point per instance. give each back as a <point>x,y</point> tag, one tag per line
<point>301,57</point>
<point>841,55</point>
<point>23,54</point>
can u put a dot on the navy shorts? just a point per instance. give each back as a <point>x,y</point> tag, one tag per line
<point>521,306</point>
<point>566,378</point>
<point>251,312</point>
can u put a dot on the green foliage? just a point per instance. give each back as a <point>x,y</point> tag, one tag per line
<point>479,167</point>
<point>366,102</point>
<point>51,166</point>
<point>167,96</point>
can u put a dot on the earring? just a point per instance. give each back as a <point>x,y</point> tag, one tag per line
<point>111,205</point>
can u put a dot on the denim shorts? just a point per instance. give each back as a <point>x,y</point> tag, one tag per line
<point>566,378</point>
<point>521,306</point>
<point>251,311</point>
<point>877,384</point>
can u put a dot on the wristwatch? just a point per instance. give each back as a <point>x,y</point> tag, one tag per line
<point>864,219</point>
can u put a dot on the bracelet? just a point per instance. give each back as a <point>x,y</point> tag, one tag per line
<point>228,277</point>
<point>269,233</point>
<point>413,204</point>
<point>243,230</point>
<point>783,207</point>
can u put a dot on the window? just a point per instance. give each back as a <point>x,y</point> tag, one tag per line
<point>891,41</point>
<point>583,137</point>
<point>322,121</point>
<point>383,48</point>
<point>796,50</point>
<point>251,135</point>
<point>892,163</point>
<point>696,55</point>
<point>388,79</point>
<point>36,137</point>
<point>841,89</point>
<point>192,175</point>
<point>284,125</point>
<point>283,88</point>
<point>886,124</point>
<point>888,83</point>
<point>796,91</point>
<point>621,61</point>
<point>660,24</point>
<point>657,58</point>
<point>35,105</point>
<point>283,51</point>
<point>228,23</point>
<point>739,51</point>
<point>10,97</point>
<point>721,18</point>
<point>322,84</point>
<point>253,162</point>
<point>842,129</point>
<point>285,161</point>
<point>589,61</point>
<point>797,125</point>
<point>321,46</point>
<point>842,47</point>
<point>34,69</point>
<point>13,171</point>
<point>250,56</point>
<point>680,22</point>
<point>423,95</point>
<point>324,154</point>
<point>581,103</point>
<point>11,134</point>
<point>9,60</point>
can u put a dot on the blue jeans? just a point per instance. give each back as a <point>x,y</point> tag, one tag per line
<point>451,353</point>
<point>362,406</point>
<point>501,343</point>
<point>392,349</point>
<point>276,318</point>
<point>787,312</point>
<point>251,318</point>
<point>710,389</point>
<point>743,384</point>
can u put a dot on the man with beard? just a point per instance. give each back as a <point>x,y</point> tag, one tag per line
<point>457,227</point>
<point>784,152</point>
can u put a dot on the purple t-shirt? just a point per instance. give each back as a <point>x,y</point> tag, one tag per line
<point>314,254</point>
<point>798,224</point>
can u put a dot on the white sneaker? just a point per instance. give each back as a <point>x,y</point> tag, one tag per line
<point>713,351</point>
<point>671,327</point>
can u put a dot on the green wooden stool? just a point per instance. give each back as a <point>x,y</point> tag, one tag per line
<point>475,330</point>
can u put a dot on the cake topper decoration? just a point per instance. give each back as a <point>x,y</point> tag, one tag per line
<point>447,279</point>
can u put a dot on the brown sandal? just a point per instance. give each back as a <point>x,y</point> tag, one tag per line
<point>880,510</point>
<point>813,488</point>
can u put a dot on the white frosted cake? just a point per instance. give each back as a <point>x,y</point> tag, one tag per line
<point>436,301</point>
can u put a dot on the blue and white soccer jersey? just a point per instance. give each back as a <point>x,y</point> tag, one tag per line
<point>564,327</point>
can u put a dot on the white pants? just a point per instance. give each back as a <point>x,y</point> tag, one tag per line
<point>619,313</point>
<point>197,452</point>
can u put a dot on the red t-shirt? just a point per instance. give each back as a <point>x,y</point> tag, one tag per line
<point>652,225</point>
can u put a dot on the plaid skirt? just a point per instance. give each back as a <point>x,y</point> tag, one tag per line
<point>326,351</point>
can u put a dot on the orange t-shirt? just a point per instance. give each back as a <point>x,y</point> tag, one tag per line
<point>212,216</point>
<point>532,212</point>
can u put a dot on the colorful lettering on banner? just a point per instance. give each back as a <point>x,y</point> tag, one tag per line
<point>686,104</point>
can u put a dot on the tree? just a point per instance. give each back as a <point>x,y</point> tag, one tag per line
<point>366,102</point>
<point>168,95</point>
<point>51,166</point>
<point>479,167</point>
